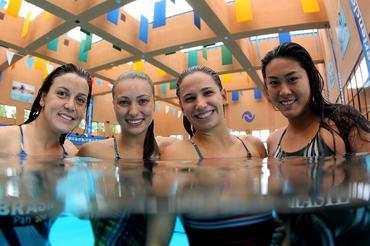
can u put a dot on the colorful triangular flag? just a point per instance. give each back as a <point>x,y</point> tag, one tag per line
<point>9,56</point>
<point>49,68</point>
<point>179,113</point>
<point>53,44</point>
<point>13,7</point>
<point>143,31</point>
<point>26,24</point>
<point>159,18</point>
<point>310,6</point>
<point>112,16</point>
<point>243,10</point>
<point>167,108</point>
<point>138,65</point>
<point>197,20</point>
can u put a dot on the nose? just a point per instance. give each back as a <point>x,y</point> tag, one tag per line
<point>285,89</point>
<point>70,104</point>
<point>201,102</point>
<point>133,109</point>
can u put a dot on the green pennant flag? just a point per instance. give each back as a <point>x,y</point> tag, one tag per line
<point>173,85</point>
<point>227,58</point>
<point>82,55</point>
<point>204,54</point>
<point>88,41</point>
<point>192,58</point>
<point>53,44</point>
<point>164,88</point>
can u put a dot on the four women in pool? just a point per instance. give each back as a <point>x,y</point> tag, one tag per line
<point>293,85</point>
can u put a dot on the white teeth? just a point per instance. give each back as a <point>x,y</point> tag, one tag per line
<point>204,115</point>
<point>134,121</point>
<point>66,117</point>
<point>287,102</point>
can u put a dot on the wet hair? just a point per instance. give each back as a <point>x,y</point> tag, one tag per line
<point>48,82</point>
<point>187,125</point>
<point>151,149</point>
<point>345,117</point>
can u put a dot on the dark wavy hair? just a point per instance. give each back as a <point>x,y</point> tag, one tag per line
<point>48,82</point>
<point>151,150</point>
<point>187,125</point>
<point>345,117</point>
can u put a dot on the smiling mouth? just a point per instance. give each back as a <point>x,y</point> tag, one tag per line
<point>66,117</point>
<point>135,122</point>
<point>288,102</point>
<point>204,115</point>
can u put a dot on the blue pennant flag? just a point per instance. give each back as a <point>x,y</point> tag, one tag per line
<point>2,4</point>
<point>143,34</point>
<point>284,37</point>
<point>30,61</point>
<point>99,82</point>
<point>235,96</point>
<point>159,14</point>
<point>113,16</point>
<point>159,105</point>
<point>197,20</point>
<point>1,76</point>
<point>257,93</point>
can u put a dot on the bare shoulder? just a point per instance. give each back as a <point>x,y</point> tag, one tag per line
<point>70,148</point>
<point>332,138</point>
<point>10,139</point>
<point>255,146</point>
<point>273,140</point>
<point>181,149</point>
<point>99,149</point>
<point>164,142</point>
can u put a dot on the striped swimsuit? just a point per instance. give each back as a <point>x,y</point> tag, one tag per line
<point>317,147</point>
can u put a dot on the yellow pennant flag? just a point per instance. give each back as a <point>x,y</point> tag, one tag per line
<point>39,62</point>
<point>46,15</point>
<point>13,7</point>
<point>138,66</point>
<point>160,72</point>
<point>26,24</point>
<point>310,6</point>
<point>243,10</point>
<point>226,78</point>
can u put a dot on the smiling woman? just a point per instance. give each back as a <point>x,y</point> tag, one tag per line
<point>60,105</point>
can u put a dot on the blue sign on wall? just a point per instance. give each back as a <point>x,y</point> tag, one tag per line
<point>248,116</point>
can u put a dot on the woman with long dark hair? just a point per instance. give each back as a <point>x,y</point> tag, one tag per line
<point>316,128</point>
<point>59,107</point>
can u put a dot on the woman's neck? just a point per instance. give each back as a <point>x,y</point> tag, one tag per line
<point>41,131</point>
<point>128,141</point>
<point>219,135</point>
<point>303,122</point>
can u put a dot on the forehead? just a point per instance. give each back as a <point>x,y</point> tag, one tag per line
<point>197,81</point>
<point>130,86</point>
<point>71,81</point>
<point>282,64</point>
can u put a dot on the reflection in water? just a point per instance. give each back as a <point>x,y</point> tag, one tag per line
<point>36,191</point>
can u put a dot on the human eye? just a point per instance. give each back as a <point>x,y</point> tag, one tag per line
<point>123,102</point>
<point>273,82</point>
<point>81,100</point>
<point>189,98</point>
<point>292,79</point>
<point>61,93</point>
<point>208,93</point>
<point>143,101</point>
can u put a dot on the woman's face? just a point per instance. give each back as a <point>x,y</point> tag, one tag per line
<point>201,100</point>
<point>134,105</point>
<point>288,87</point>
<point>64,106</point>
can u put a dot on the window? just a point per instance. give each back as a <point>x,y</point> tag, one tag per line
<point>98,127</point>
<point>7,111</point>
<point>26,114</point>
<point>114,129</point>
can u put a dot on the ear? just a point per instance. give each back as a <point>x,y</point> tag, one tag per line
<point>224,95</point>
<point>42,100</point>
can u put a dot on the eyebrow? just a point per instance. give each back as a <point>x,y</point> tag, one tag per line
<point>285,75</point>
<point>65,88</point>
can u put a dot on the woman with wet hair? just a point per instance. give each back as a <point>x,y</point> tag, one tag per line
<point>59,107</point>
<point>202,99</point>
<point>316,128</point>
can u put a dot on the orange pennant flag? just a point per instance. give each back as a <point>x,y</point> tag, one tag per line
<point>138,65</point>
<point>226,78</point>
<point>13,7</point>
<point>243,10</point>
<point>310,6</point>
<point>26,24</point>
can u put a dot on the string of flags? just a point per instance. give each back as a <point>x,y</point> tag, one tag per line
<point>167,108</point>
